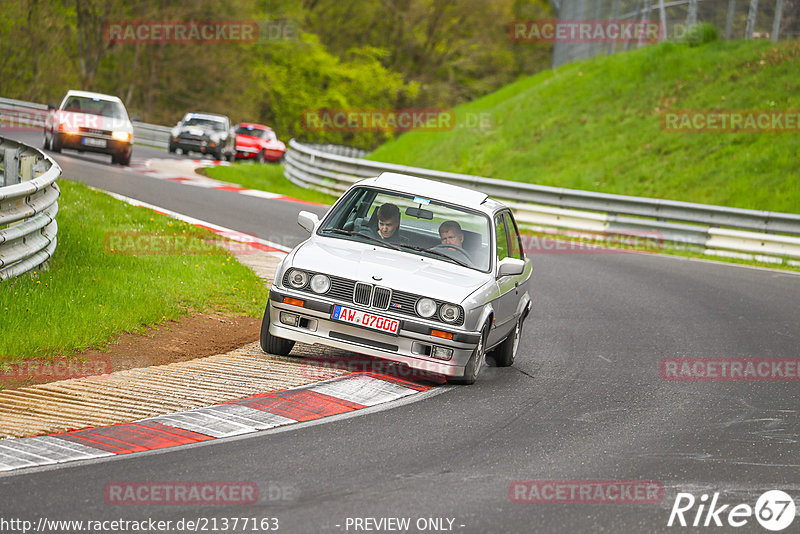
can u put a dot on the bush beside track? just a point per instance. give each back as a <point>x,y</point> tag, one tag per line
<point>88,296</point>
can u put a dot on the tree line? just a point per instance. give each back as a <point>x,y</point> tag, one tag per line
<point>309,54</point>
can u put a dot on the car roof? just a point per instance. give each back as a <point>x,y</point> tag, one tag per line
<point>432,189</point>
<point>87,94</point>
<point>202,115</point>
<point>254,125</point>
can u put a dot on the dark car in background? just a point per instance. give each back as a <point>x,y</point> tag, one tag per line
<point>90,122</point>
<point>205,133</point>
<point>258,142</point>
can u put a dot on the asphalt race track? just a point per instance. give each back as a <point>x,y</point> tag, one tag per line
<point>584,401</point>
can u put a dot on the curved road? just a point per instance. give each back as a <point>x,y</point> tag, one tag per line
<point>584,401</point>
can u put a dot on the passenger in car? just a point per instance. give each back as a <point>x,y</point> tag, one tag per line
<point>389,224</point>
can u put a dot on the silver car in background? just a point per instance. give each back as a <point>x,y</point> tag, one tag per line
<point>415,299</point>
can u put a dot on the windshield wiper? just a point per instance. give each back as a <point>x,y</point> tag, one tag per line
<point>359,234</point>
<point>436,253</point>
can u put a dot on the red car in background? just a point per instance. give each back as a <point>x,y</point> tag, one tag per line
<point>258,142</point>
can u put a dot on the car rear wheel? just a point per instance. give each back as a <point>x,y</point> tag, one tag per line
<point>260,157</point>
<point>272,344</point>
<point>503,355</point>
<point>55,144</point>
<point>473,367</point>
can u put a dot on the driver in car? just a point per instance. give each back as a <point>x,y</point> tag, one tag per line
<point>389,224</point>
<point>451,234</point>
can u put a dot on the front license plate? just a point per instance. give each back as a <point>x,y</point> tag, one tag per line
<point>375,322</point>
<point>91,141</point>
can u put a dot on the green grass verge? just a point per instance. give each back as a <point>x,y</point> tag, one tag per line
<point>89,295</point>
<point>596,125</point>
<point>268,177</point>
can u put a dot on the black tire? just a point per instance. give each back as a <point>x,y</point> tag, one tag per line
<point>124,160</point>
<point>46,143</point>
<point>271,344</point>
<point>114,159</point>
<point>473,367</point>
<point>232,157</point>
<point>171,148</point>
<point>260,157</point>
<point>55,145</point>
<point>503,355</point>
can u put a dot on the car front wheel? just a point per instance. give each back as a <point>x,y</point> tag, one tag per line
<point>503,355</point>
<point>272,344</point>
<point>474,364</point>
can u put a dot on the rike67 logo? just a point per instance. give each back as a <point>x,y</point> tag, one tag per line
<point>774,510</point>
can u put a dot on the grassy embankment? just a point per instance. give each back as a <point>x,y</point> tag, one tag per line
<point>90,294</point>
<point>596,125</point>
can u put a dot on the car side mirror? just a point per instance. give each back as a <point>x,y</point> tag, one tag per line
<point>510,267</point>
<point>307,220</point>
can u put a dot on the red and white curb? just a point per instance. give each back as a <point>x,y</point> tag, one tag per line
<point>269,247</point>
<point>245,416</point>
<point>160,168</point>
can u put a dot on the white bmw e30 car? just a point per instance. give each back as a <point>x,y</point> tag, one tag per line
<point>415,271</point>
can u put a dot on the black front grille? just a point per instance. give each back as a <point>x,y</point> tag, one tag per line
<point>381,298</point>
<point>94,131</point>
<point>362,294</point>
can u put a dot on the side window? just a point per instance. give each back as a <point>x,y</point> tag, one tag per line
<point>501,237</point>
<point>513,237</point>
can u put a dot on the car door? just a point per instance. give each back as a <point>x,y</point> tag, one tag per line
<point>507,245</point>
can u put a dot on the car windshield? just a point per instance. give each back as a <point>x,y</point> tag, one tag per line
<point>426,227</point>
<point>95,106</point>
<point>205,123</point>
<point>249,130</point>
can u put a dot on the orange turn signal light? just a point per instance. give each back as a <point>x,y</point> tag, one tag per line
<point>295,302</point>
<point>443,335</point>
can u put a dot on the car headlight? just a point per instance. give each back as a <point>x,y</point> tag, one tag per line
<point>298,279</point>
<point>320,283</point>
<point>425,307</point>
<point>68,128</point>
<point>449,313</point>
<point>121,136</point>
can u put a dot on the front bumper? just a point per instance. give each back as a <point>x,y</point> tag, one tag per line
<point>196,145</point>
<point>77,141</point>
<point>412,346</point>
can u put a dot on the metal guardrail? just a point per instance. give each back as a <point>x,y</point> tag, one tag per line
<point>28,207</point>
<point>28,115</point>
<point>684,223</point>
